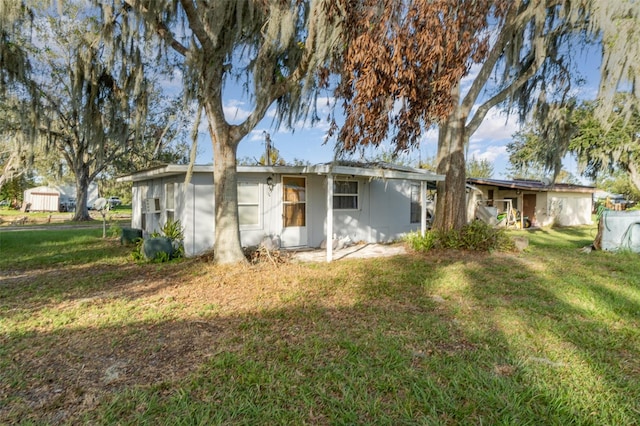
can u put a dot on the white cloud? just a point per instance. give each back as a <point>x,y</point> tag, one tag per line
<point>491,153</point>
<point>257,135</point>
<point>468,79</point>
<point>235,111</point>
<point>496,126</point>
<point>430,137</point>
<point>323,107</point>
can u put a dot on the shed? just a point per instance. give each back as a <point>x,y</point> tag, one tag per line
<point>542,202</point>
<point>42,198</point>
<point>299,205</point>
<point>57,198</point>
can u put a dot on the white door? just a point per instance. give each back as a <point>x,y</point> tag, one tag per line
<point>294,211</point>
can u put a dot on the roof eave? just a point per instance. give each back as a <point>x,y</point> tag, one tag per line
<point>319,169</point>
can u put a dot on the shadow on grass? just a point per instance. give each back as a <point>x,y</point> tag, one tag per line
<point>434,339</point>
<point>572,346</point>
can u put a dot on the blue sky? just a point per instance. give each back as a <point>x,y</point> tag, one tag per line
<point>306,142</point>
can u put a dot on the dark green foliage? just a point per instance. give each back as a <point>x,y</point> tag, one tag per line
<point>477,236</point>
<point>130,235</point>
<point>161,246</point>
<point>157,249</point>
<point>175,232</point>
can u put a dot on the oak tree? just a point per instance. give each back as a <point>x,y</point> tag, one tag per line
<point>526,51</point>
<point>271,48</point>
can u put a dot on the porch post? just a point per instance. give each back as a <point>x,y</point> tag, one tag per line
<point>423,207</point>
<point>521,205</point>
<point>329,238</point>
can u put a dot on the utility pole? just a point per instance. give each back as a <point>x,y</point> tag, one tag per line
<point>267,146</point>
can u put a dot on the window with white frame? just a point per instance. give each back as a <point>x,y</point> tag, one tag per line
<point>169,201</point>
<point>345,195</point>
<point>416,211</point>
<point>249,203</point>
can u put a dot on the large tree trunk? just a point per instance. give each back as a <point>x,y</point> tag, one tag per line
<point>634,174</point>
<point>451,209</point>
<point>225,140</point>
<point>82,189</point>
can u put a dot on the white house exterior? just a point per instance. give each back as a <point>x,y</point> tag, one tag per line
<point>544,204</point>
<point>300,205</point>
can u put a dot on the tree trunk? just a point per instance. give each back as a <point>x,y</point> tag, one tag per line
<point>225,142</point>
<point>451,209</point>
<point>634,174</point>
<point>82,189</point>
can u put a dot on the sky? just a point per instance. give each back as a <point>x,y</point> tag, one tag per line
<point>307,142</point>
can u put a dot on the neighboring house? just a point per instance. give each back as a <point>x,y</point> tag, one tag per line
<point>56,198</point>
<point>299,205</point>
<point>543,203</point>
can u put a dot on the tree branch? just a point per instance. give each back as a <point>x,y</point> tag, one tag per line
<point>492,58</point>
<point>527,70</point>
<point>162,30</point>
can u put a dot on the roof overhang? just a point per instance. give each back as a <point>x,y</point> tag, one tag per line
<point>531,185</point>
<point>318,169</point>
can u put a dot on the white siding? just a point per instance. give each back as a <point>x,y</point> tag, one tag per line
<point>383,214</point>
<point>566,209</point>
<point>42,199</point>
<point>195,208</point>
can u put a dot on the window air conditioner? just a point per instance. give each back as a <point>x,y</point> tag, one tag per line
<point>152,205</point>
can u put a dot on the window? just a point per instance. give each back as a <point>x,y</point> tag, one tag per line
<point>249,203</point>
<point>169,201</point>
<point>416,211</point>
<point>345,195</point>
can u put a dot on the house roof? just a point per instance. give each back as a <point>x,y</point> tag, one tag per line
<point>532,185</point>
<point>377,170</point>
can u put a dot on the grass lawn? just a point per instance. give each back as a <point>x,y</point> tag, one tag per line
<point>8,217</point>
<point>548,336</point>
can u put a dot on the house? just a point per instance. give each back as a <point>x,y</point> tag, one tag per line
<point>543,203</point>
<point>56,198</point>
<point>299,205</point>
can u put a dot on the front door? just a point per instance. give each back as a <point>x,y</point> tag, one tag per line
<point>294,211</point>
<point>529,205</point>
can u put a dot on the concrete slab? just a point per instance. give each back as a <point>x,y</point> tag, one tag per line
<point>352,252</point>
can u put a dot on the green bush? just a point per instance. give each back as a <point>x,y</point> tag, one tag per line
<point>175,232</point>
<point>476,236</point>
<point>419,242</point>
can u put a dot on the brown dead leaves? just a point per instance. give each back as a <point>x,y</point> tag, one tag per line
<point>401,62</point>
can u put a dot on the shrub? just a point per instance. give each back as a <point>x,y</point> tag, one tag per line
<point>419,242</point>
<point>172,230</point>
<point>175,232</point>
<point>477,236</point>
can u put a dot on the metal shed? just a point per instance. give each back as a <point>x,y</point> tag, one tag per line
<point>42,199</point>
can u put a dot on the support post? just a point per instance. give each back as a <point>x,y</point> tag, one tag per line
<point>423,208</point>
<point>329,238</point>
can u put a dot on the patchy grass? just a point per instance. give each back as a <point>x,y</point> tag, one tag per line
<point>12,218</point>
<point>548,336</point>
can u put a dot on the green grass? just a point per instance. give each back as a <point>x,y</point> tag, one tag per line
<point>55,247</point>
<point>548,336</point>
